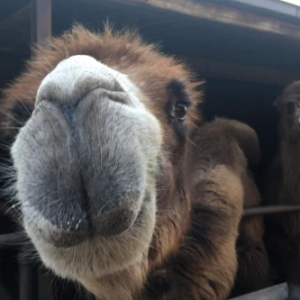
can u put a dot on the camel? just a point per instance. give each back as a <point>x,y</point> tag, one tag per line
<point>103,132</point>
<point>282,187</point>
<point>230,143</point>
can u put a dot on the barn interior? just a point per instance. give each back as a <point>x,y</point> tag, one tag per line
<point>245,53</point>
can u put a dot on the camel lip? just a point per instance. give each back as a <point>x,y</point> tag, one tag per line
<point>109,253</point>
<point>83,229</point>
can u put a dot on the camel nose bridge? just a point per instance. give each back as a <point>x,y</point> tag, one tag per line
<point>76,77</point>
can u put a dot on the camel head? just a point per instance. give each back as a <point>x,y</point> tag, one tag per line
<point>99,164</point>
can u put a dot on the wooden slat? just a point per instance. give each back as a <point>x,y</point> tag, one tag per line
<point>272,209</point>
<point>216,13</point>
<point>234,71</point>
<point>278,292</point>
<point>12,240</point>
<point>41,20</point>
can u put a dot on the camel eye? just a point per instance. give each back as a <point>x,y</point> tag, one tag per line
<point>177,107</point>
<point>290,108</point>
<point>180,111</point>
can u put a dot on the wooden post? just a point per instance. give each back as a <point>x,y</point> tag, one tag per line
<point>4,295</point>
<point>28,289</point>
<point>45,283</point>
<point>41,20</point>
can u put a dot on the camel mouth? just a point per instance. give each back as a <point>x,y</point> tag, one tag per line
<point>106,254</point>
<point>77,230</point>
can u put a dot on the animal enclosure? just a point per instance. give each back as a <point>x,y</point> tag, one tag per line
<point>246,55</point>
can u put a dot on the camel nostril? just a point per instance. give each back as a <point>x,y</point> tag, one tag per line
<point>65,238</point>
<point>115,215</point>
<point>114,222</point>
<point>59,235</point>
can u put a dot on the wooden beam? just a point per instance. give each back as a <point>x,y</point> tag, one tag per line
<point>234,71</point>
<point>216,13</point>
<point>41,20</point>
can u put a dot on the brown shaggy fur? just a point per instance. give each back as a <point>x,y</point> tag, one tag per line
<point>282,187</point>
<point>192,255</point>
<point>225,148</point>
